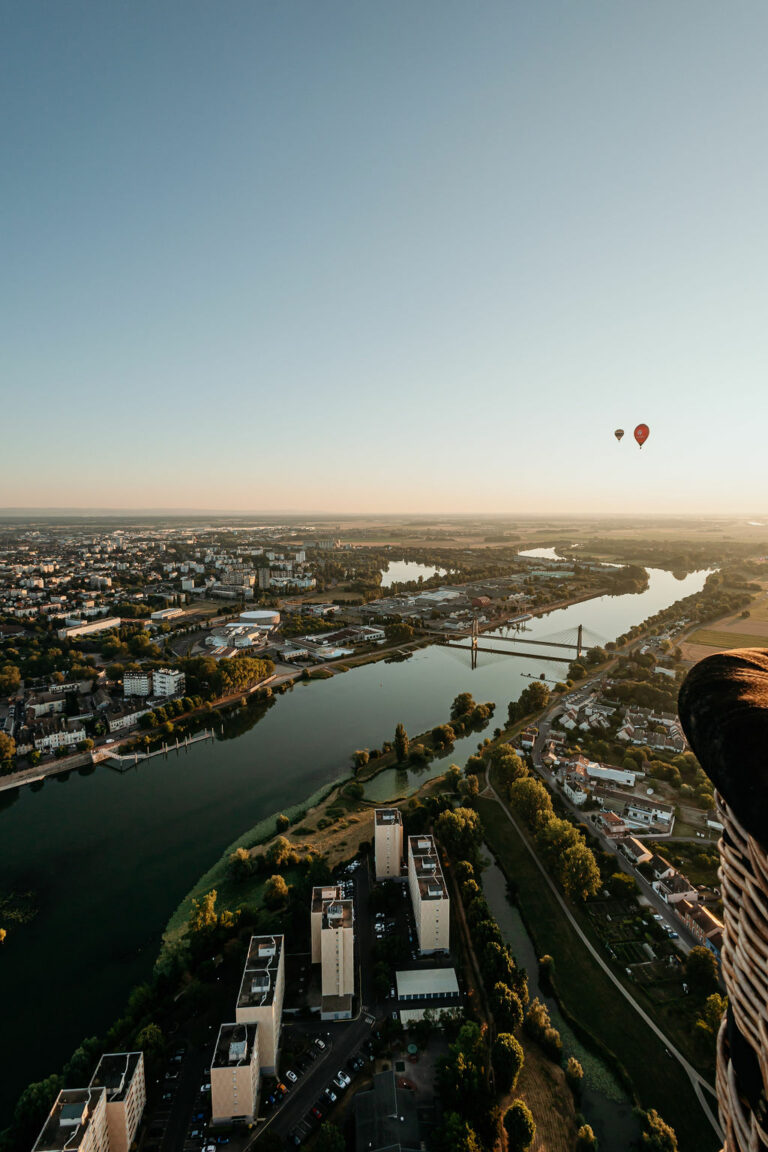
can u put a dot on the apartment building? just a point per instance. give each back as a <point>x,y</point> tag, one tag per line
<point>337,960</point>
<point>320,898</point>
<point>77,1122</point>
<point>260,1000</point>
<point>429,894</point>
<point>121,1075</point>
<point>168,682</point>
<point>235,1073</point>
<point>137,683</point>
<point>388,843</point>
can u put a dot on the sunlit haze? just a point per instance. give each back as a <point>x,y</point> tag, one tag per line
<point>384,257</point>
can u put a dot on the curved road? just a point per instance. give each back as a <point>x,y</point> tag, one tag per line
<point>698,1082</point>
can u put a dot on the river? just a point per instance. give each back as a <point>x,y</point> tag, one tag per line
<point>107,857</point>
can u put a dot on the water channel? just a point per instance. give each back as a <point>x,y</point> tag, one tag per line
<point>108,856</point>
<point>604,1102</point>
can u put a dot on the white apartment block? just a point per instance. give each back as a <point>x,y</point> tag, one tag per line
<point>121,1074</point>
<point>337,960</point>
<point>429,895</point>
<point>168,682</point>
<point>235,1073</point>
<point>260,1000</point>
<point>320,897</point>
<point>137,683</point>
<point>388,843</point>
<point>76,1123</point>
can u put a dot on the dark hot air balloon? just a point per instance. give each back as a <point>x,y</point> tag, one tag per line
<point>619,433</point>
<point>642,432</point>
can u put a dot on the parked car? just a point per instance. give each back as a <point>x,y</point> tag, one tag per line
<point>291,1076</point>
<point>320,1043</point>
<point>330,1095</point>
<point>317,1112</point>
<point>281,1088</point>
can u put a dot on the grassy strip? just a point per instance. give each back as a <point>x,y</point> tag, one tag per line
<point>591,1001</point>
<point>217,876</point>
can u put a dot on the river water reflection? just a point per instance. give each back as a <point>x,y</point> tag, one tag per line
<point>108,857</point>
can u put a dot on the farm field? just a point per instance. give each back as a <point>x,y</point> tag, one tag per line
<point>732,631</point>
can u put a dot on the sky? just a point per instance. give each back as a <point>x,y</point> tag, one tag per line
<point>385,256</point>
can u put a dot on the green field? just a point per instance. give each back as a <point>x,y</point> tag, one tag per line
<point>590,997</point>
<point>713,638</point>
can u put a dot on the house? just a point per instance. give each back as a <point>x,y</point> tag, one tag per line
<point>635,851</point>
<point>702,924</point>
<point>610,824</point>
<point>648,812</point>
<point>675,887</point>
<point>50,734</point>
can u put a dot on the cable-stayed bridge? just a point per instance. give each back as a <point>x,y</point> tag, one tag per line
<point>566,646</point>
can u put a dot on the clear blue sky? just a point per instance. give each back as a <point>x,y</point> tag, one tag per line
<point>396,255</point>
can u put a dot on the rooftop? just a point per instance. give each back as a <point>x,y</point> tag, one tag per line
<point>426,863</point>
<point>388,816</point>
<point>115,1072</point>
<point>385,1116</point>
<point>69,1118</point>
<point>427,982</point>
<point>321,896</point>
<point>338,914</point>
<point>257,988</point>
<point>234,1045</point>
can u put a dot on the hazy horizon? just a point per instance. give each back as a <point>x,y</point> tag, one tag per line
<point>384,258</point>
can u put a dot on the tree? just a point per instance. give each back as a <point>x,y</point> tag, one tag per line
<point>203,915</point>
<point>507,766</point>
<point>657,1135</point>
<point>240,864</point>
<point>621,886</point>
<point>462,705</point>
<point>10,679</point>
<point>458,1135</point>
<point>701,971</point>
<point>531,802</point>
<point>519,1126</point>
<point>151,1040</point>
<point>507,1057</point>
<point>453,778</point>
<point>3,934</point>
<point>586,1141</point>
<point>401,743</point>
<point>329,1138</point>
<point>574,1074</point>
<point>282,822</point>
<point>461,832</point>
<point>7,747</point>
<point>579,873</point>
<point>506,1007</point>
<point>360,758</point>
<point>276,893</point>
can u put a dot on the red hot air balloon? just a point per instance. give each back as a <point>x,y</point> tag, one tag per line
<point>642,432</point>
